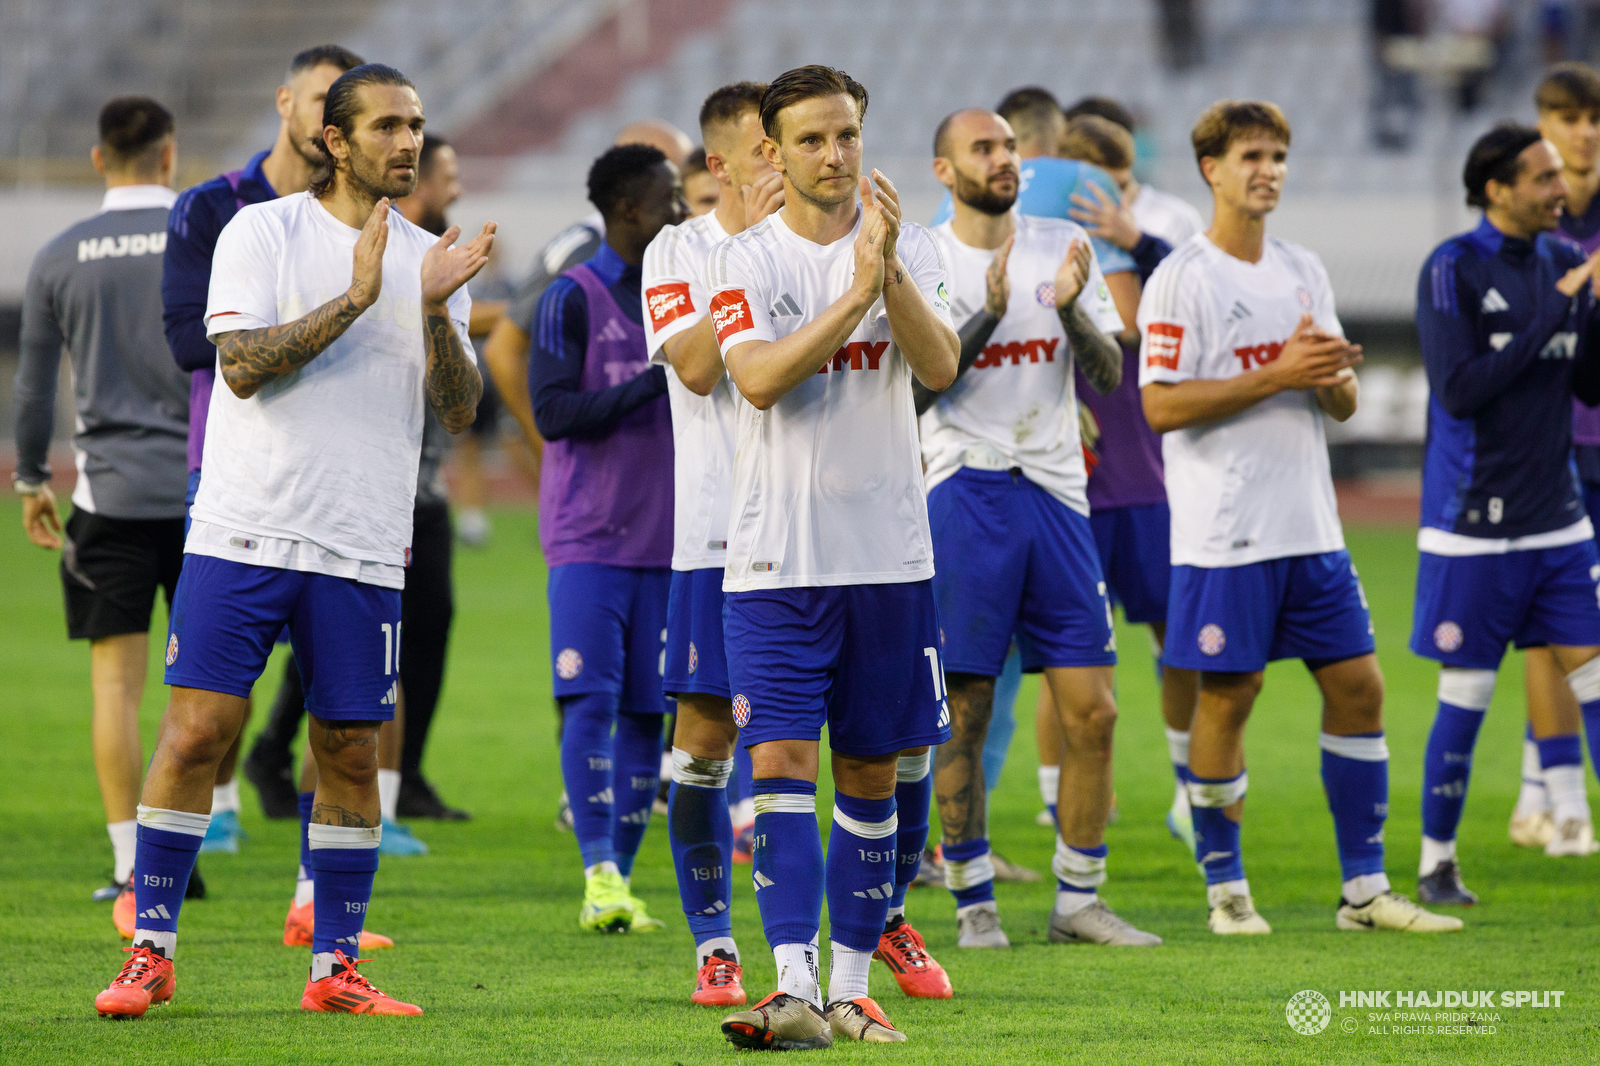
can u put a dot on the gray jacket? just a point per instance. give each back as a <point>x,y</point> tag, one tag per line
<point>96,289</point>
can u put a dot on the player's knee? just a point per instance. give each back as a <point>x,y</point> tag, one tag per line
<point>1091,721</point>
<point>197,742</point>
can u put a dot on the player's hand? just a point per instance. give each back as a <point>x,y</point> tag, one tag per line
<point>1573,279</point>
<point>1313,359</point>
<point>996,282</point>
<point>761,198</point>
<point>868,282</point>
<point>40,520</point>
<point>887,198</point>
<point>1105,218</point>
<point>366,274</point>
<point>1072,275</point>
<point>446,269</point>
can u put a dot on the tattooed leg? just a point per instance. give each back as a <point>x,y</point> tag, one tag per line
<point>347,773</point>
<point>958,763</point>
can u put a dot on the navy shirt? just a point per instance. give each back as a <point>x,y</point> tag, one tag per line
<point>1505,352</point>
<point>561,407</point>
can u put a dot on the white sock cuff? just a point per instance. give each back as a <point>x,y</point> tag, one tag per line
<point>1365,888</point>
<point>354,838</point>
<point>911,768</point>
<point>1585,681</point>
<point>1471,690</point>
<point>1532,767</point>
<point>1364,749</point>
<point>1178,745</point>
<point>785,803</point>
<point>1076,868</point>
<point>870,830</point>
<point>699,771</point>
<point>185,822</point>
<point>960,875</point>
<point>1218,793</point>
<point>1049,783</point>
<point>225,797</point>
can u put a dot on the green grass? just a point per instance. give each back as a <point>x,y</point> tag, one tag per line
<point>486,928</point>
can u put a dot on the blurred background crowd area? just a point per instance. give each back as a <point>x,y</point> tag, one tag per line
<point>1384,97</point>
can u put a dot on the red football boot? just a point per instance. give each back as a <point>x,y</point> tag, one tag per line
<point>918,975</point>
<point>347,992</point>
<point>123,911</point>
<point>146,980</point>
<point>719,983</point>
<point>298,926</point>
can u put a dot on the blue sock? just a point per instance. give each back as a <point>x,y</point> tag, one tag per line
<point>912,800</point>
<point>344,860</point>
<point>970,880</point>
<point>307,801</point>
<point>586,770</point>
<point>635,776</point>
<point>702,842</point>
<point>1591,727</point>
<point>1446,766</point>
<point>1216,836</point>
<point>163,859</point>
<point>1355,775</point>
<point>1565,749</point>
<point>739,783</point>
<point>861,862</point>
<point>788,866</point>
<point>1002,720</point>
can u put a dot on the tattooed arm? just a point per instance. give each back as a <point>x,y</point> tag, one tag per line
<point>453,382</point>
<point>1098,356</point>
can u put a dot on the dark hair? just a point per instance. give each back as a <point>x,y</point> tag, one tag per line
<point>1228,120</point>
<point>431,143</point>
<point>1569,86</point>
<point>729,103</point>
<point>131,130</point>
<point>1106,108</point>
<point>1029,110</point>
<point>695,163</point>
<point>615,176</point>
<point>1098,140</point>
<point>341,108</point>
<point>330,55</point>
<point>807,83</point>
<point>1496,156</point>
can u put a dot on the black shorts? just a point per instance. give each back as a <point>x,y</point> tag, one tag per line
<point>110,569</point>
<point>487,424</point>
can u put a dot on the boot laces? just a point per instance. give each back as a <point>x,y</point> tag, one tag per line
<point>352,976</point>
<point>719,973</point>
<point>908,943</point>
<point>141,961</point>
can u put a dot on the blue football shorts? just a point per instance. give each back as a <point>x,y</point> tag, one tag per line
<point>608,632</point>
<point>696,661</point>
<point>1135,548</point>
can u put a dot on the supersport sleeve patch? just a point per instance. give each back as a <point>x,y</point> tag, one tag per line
<point>1163,345</point>
<point>731,315</point>
<point>668,302</point>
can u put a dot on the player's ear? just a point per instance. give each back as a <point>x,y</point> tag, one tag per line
<point>943,171</point>
<point>772,154</point>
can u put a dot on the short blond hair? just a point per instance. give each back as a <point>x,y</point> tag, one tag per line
<point>1097,140</point>
<point>1227,121</point>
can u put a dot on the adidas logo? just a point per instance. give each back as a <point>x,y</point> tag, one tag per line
<point>718,907</point>
<point>158,911</point>
<point>785,307</point>
<point>944,717</point>
<point>390,697</point>
<point>959,308</point>
<point>1493,301</point>
<point>1210,855</point>
<point>603,796</point>
<point>639,817</point>
<point>352,940</point>
<point>763,881</point>
<point>883,891</point>
<point>1239,311</point>
<point>613,331</point>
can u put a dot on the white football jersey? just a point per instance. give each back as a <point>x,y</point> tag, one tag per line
<point>675,299</point>
<point>827,485</point>
<point>1164,215</point>
<point>326,456</point>
<point>1254,486</point>
<point>1018,395</point>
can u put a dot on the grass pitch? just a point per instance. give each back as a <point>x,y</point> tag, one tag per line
<point>486,925</point>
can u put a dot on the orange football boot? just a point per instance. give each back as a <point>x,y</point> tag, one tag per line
<point>298,926</point>
<point>347,992</point>
<point>915,971</point>
<point>719,983</point>
<point>147,980</point>
<point>123,911</point>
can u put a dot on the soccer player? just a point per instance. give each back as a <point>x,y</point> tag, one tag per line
<point>1242,356</point>
<point>94,290</point>
<point>605,522</point>
<point>197,218</point>
<point>316,539</point>
<point>1568,101</point>
<point>1011,535</point>
<point>1127,497</point>
<point>824,313</point>
<point>1157,213</point>
<point>1507,320</point>
<point>679,334</point>
<point>701,189</point>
